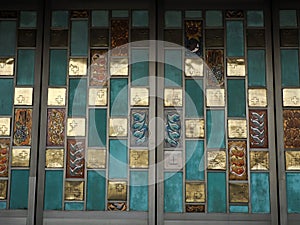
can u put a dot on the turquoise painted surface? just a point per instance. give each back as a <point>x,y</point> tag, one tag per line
<point>79,38</point>
<point>236,98</point>
<point>260,193</point>
<point>293,192</point>
<point>139,191</point>
<point>118,159</point>
<point>194,102</point>
<point>255,18</point>
<point>77,97</point>
<point>97,128</point>
<point>3,205</point>
<point>194,166</point>
<point>288,18</point>
<point>6,96</point>
<point>58,67</point>
<point>53,190</point>
<point>235,38</point>
<point>139,67</point>
<point>118,97</point>
<point>289,68</point>
<point>238,209</point>
<point>19,189</point>
<point>99,18</point>
<point>74,206</point>
<point>215,129</point>
<point>193,14</point>
<point>173,19</point>
<point>96,187</point>
<point>173,192</point>
<point>214,18</point>
<point>28,19</point>
<point>60,19</point>
<point>256,68</point>
<point>8,30</point>
<point>140,18</point>
<point>216,192</point>
<point>173,68</point>
<point>25,67</point>
<point>119,13</point>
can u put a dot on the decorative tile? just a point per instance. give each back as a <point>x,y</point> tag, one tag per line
<point>139,128</point>
<point>257,98</point>
<point>173,36</point>
<point>23,96</point>
<point>256,37</point>
<point>259,160</point>
<point>194,37</point>
<point>238,193</point>
<point>139,97</point>
<point>78,67</point>
<point>20,157</point>
<point>119,66</point>
<point>4,156</point>
<point>194,192</point>
<point>291,121</point>
<point>195,208</point>
<point>79,14</point>
<point>258,128</point>
<point>215,67</point>
<point>139,159</point>
<point>74,190</point>
<point>214,37</point>
<point>98,96</point>
<point>26,38</point>
<point>173,160</point>
<point>193,67</point>
<point>59,38</point>
<point>117,127</point>
<point>56,127</point>
<point>194,128</point>
<point>76,127</point>
<point>117,191</point>
<point>291,97</point>
<point>75,158</point>
<point>7,66</point>
<point>96,159</point>
<point>119,37</point>
<point>237,128</point>
<point>236,67</point>
<point>215,97</point>
<point>216,160</point>
<point>22,127</point>
<point>3,189</point>
<point>237,160</point>
<point>117,206</point>
<point>292,160</point>
<point>99,37</point>
<point>98,68</point>
<point>173,97</point>
<point>230,14</point>
<point>54,158</point>
<point>57,96</point>
<point>173,129</point>
<point>4,126</point>
<point>289,38</point>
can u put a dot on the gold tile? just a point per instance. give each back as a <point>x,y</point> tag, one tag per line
<point>173,97</point>
<point>96,158</point>
<point>139,97</point>
<point>139,159</point>
<point>259,160</point>
<point>4,126</point>
<point>119,67</point>
<point>291,97</point>
<point>194,192</point>
<point>7,66</point>
<point>236,67</point>
<point>55,158</point>
<point>3,189</point>
<point>76,127</point>
<point>74,190</point>
<point>194,128</point>
<point>173,160</point>
<point>257,98</point>
<point>56,96</point>
<point>20,157</point>
<point>216,160</point>
<point>193,67</point>
<point>117,191</point>
<point>237,128</point>
<point>215,97</point>
<point>78,67</point>
<point>118,127</point>
<point>292,160</point>
<point>238,192</point>
<point>98,96</point>
<point>23,96</point>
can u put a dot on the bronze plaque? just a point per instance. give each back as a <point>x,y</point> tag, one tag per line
<point>4,126</point>
<point>7,66</point>
<point>96,158</point>
<point>237,160</point>
<point>119,66</point>
<point>238,193</point>
<point>289,38</point>
<point>117,127</point>
<point>193,67</point>
<point>214,37</point>
<point>259,160</point>
<point>291,127</point>
<point>54,158</point>
<point>23,96</point>
<point>258,128</point>
<point>117,191</point>
<point>77,67</point>
<point>76,127</point>
<point>139,158</point>
<point>237,128</point>
<point>20,157</point>
<point>292,160</point>
<point>236,67</point>
<point>59,38</point>
<point>257,97</point>
<point>216,160</point>
<point>119,37</point>
<point>174,36</point>
<point>75,158</point>
<point>256,37</point>
<point>116,206</point>
<point>98,96</point>
<point>74,190</point>
<point>173,97</point>
<point>215,97</point>
<point>22,127</point>
<point>99,38</point>
<point>195,208</point>
<point>214,71</point>
<point>26,38</point>
<point>194,192</point>
<point>194,128</point>
<point>291,97</point>
<point>173,160</point>
<point>3,189</point>
<point>139,35</point>
<point>4,156</point>
<point>57,96</point>
<point>139,97</point>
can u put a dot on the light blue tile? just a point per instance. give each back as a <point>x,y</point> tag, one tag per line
<point>256,68</point>
<point>118,97</point>
<point>25,67</point>
<point>194,166</point>
<point>3,205</point>
<point>6,96</point>
<point>96,187</point>
<point>19,189</point>
<point>139,67</point>
<point>194,101</point>
<point>293,192</point>
<point>289,68</point>
<point>60,19</point>
<point>140,18</point>
<point>216,192</point>
<point>215,129</point>
<point>118,159</point>
<point>173,192</point>
<point>288,18</point>
<point>58,67</point>
<point>260,193</point>
<point>74,206</point>
<point>139,191</point>
<point>236,98</point>
<point>79,38</point>
<point>173,68</point>
<point>235,38</point>
<point>173,19</point>
<point>214,18</point>
<point>97,128</point>
<point>28,19</point>
<point>53,190</point>
<point>8,36</point>
<point>77,97</point>
<point>99,18</point>
<point>239,209</point>
<point>255,18</point>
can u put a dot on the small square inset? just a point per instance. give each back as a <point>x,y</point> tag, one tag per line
<point>236,67</point>
<point>118,127</point>
<point>117,191</point>
<point>193,67</point>
<point>139,97</point>
<point>4,126</point>
<point>96,158</point>
<point>98,96</point>
<point>257,98</point>
<point>173,160</point>
<point>292,160</point>
<point>74,190</point>
<point>119,66</point>
<point>291,97</point>
<point>237,128</point>
<point>215,97</point>
<point>194,128</point>
<point>238,193</point>
<point>7,66</point>
<point>259,160</point>
<point>194,192</point>
<point>76,127</point>
<point>216,160</point>
<point>23,96</point>
<point>56,96</point>
<point>54,158</point>
<point>139,159</point>
<point>78,67</point>
<point>20,157</point>
<point>173,97</point>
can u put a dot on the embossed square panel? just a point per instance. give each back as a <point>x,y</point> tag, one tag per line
<point>214,37</point>
<point>289,38</point>
<point>237,160</point>
<point>98,96</point>
<point>96,158</point>
<point>117,191</point>
<point>139,97</point>
<point>238,193</point>
<point>216,160</point>
<point>173,160</point>
<point>258,128</point>
<point>4,126</point>
<point>194,192</point>
<point>59,38</point>
<point>257,97</point>
<point>236,67</point>
<point>255,37</point>
<point>22,127</point>
<point>193,67</point>
<point>76,127</point>
<point>215,97</point>
<point>20,157</point>
<point>173,36</point>
<point>78,67</point>
<point>7,66</point>
<point>26,38</point>
<point>54,158</point>
<point>56,96</point>
<point>119,66</point>
<point>23,96</point>
<point>118,127</point>
<point>237,128</point>
<point>74,190</point>
<point>4,156</point>
<point>139,159</point>
<point>99,38</point>
<point>291,97</point>
<point>116,206</point>
<point>259,160</point>
<point>292,160</point>
<point>291,121</point>
<point>3,189</point>
<point>75,158</point>
<point>194,128</point>
<point>173,97</point>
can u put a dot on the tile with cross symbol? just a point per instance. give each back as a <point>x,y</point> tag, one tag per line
<point>236,67</point>
<point>20,157</point>
<point>257,97</point>
<point>78,67</point>
<point>98,96</point>
<point>291,97</point>
<point>56,96</point>
<point>139,158</point>
<point>23,96</point>
<point>76,127</point>
<point>194,192</point>
<point>237,128</point>
<point>139,97</point>
<point>4,126</point>
<point>215,97</point>
<point>117,191</point>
